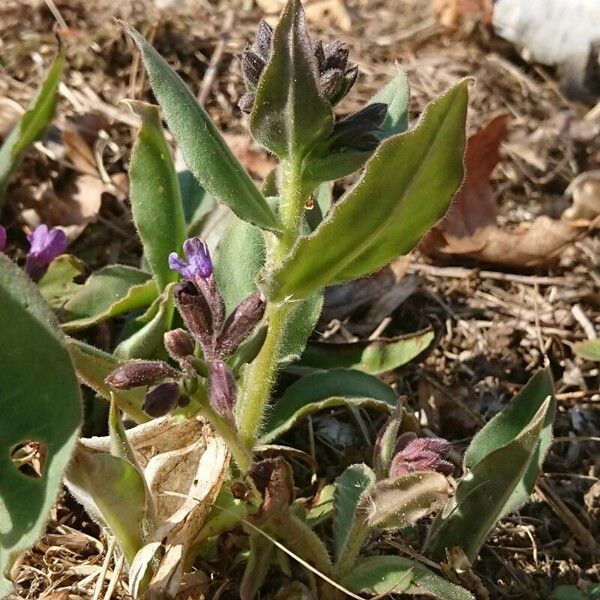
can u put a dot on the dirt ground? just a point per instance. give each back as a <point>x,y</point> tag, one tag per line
<point>496,323</point>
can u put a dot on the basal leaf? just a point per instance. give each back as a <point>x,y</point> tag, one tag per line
<point>374,357</point>
<point>506,425</point>
<point>156,203</point>
<point>407,186</point>
<point>32,124</point>
<point>396,94</point>
<point>490,484</point>
<point>289,111</point>
<point>383,575</point>
<point>109,292</point>
<point>39,403</point>
<point>57,285</point>
<point>92,366</point>
<point>204,150</point>
<point>322,390</point>
<point>351,487</point>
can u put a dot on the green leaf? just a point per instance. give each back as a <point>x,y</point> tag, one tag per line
<point>351,487</point>
<point>239,257</point>
<point>385,443</point>
<point>300,324</point>
<point>156,203</point>
<point>109,292</point>
<point>321,507</point>
<point>506,425</point>
<point>396,94</point>
<point>323,198</point>
<point>93,366</point>
<point>289,111</point>
<point>407,186</point>
<point>257,567</point>
<point>39,402</point>
<point>590,349</point>
<point>491,483</point>
<point>113,492</point>
<point>32,124</point>
<point>57,285</point>
<point>197,202</point>
<point>204,150</point>
<point>372,357</point>
<point>322,390</point>
<point>147,341</point>
<point>383,575</point>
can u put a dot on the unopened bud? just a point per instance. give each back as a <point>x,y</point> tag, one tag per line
<point>336,55</point>
<point>246,102</point>
<point>262,40</point>
<point>222,390</point>
<point>162,399</point>
<point>140,373</point>
<point>241,323</point>
<point>179,344</point>
<point>252,67</point>
<point>330,82</point>
<point>421,454</point>
<point>196,314</point>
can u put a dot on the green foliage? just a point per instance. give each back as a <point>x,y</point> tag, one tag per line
<point>32,124</point>
<point>156,203</point>
<point>40,403</point>
<point>413,176</point>
<point>57,285</point>
<point>289,111</point>
<point>109,292</point>
<point>383,575</point>
<point>203,147</point>
<point>300,324</point>
<point>589,349</point>
<point>504,461</point>
<point>396,94</point>
<point>259,561</point>
<point>372,357</point>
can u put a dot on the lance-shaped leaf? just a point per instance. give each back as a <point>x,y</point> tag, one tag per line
<point>57,285</point>
<point>109,292</point>
<point>383,575</point>
<point>289,111</point>
<point>257,567</point>
<point>92,366</point>
<point>407,186</point>
<point>204,150</point>
<point>507,424</point>
<point>370,356</point>
<point>156,203</point>
<point>113,492</point>
<point>32,124</point>
<point>396,94</point>
<point>491,483</point>
<point>39,403</point>
<point>385,444</point>
<point>300,324</point>
<point>327,389</point>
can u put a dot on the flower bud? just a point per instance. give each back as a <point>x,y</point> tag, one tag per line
<point>138,373</point>
<point>262,41</point>
<point>162,399</point>
<point>421,454</point>
<point>196,314</point>
<point>222,391</point>
<point>356,132</point>
<point>252,67</point>
<point>241,323</point>
<point>179,344</point>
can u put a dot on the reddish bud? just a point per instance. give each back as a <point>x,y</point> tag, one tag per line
<point>179,344</point>
<point>140,373</point>
<point>241,323</point>
<point>222,391</point>
<point>196,314</point>
<point>162,399</point>
<point>421,454</point>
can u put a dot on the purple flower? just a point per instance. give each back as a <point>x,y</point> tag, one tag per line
<point>2,238</point>
<point>421,454</point>
<point>46,245</point>
<point>198,265</point>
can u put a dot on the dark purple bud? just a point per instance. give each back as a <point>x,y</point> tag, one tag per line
<point>252,67</point>
<point>356,132</point>
<point>348,80</point>
<point>46,245</point>
<point>262,41</point>
<point>162,399</point>
<point>196,314</point>
<point>319,55</point>
<point>198,265</point>
<point>421,454</point>
<point>336,55</point>
<point>246,102</point>
<point>2,238</point>
<point>222,391</point>
<point>437,445</point>
<point>179,344</point>
<point>241,323</point>
<point>330,82</point>
<point>138,373</point>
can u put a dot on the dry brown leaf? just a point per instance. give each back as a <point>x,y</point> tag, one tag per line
<point>470,229</point>
<point>455,14</point>
<point>585,191</point>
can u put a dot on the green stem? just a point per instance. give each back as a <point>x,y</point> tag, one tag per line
<point>260,375</point>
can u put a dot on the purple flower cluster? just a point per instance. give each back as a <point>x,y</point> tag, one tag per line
<point>420,454</point>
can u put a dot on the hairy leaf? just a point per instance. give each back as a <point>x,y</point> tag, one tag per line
<point>109,292</point>
<point>300,324</point>
<point>383,575</point>
<point>407,186</point>
<point>491,483</point>
<point>257,567</point>
<point>204,150</point>
<point>289,111</point>
<point>40,403</point>
<point>155,196</point>
<point>396,94</point>
<point>57,285</point>
<point>32,124</point>
<point>374,357</point>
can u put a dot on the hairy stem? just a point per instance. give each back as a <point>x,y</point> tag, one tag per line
<point>260,375</point>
